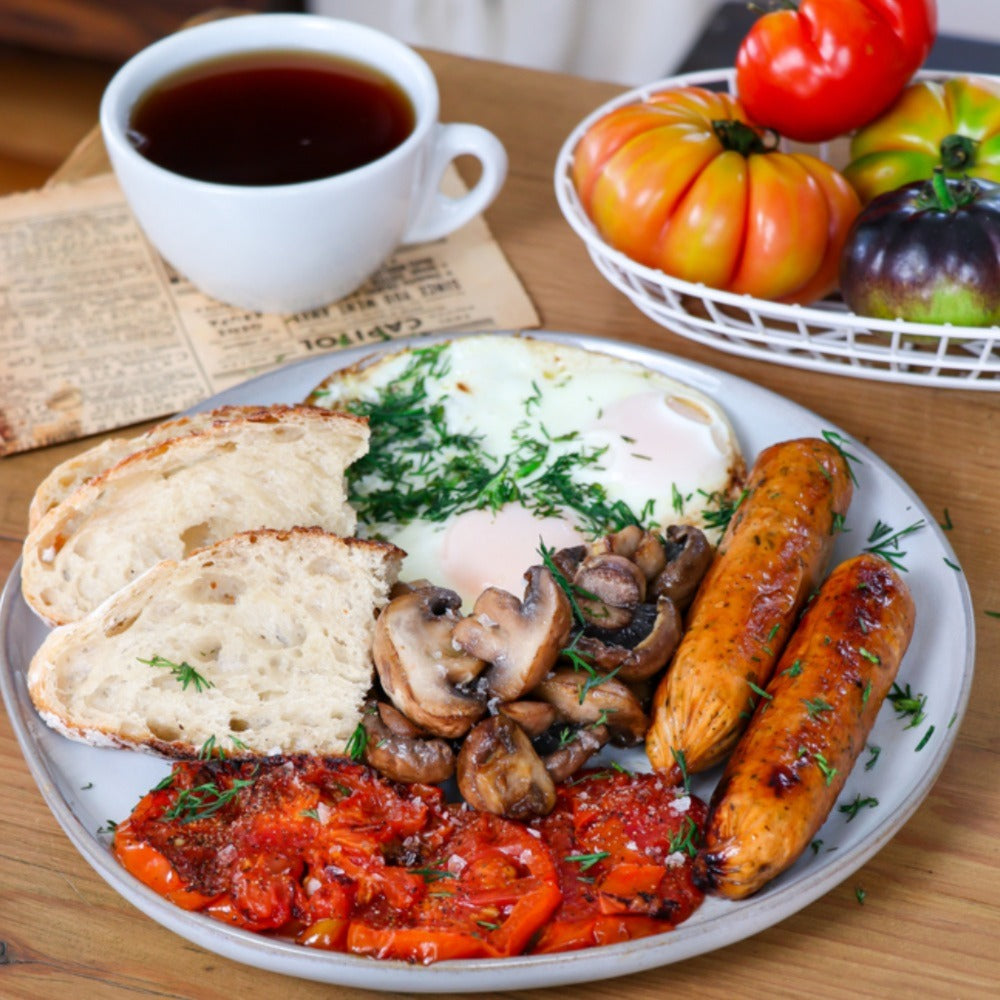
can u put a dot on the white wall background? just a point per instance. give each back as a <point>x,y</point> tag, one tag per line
<point>625,41</point>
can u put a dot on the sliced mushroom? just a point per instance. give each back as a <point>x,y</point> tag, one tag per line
<point>576,697</point>
<point>400,750</point>
<point>638,650</point>
<point>689,555</point>
<point>520,639</point>
<point>534,717</point>
<point>608,588</point>
<point>644,548</point>
<point>500,772</point>
<point>566,760</point>
<point>425,675</point>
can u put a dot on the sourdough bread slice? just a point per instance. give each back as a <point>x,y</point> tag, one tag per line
<point>278,467</point>
<point>70,475</point>
<point>276,624</point>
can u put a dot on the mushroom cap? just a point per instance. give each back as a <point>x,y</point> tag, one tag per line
<point>606,702</point>
<point>500,772</point>
<point>688,559</point>
<point>400,751</point>
<point>521,640</point>
<point>424,674</point>
<point>638,650</point>
<point>609,588</point>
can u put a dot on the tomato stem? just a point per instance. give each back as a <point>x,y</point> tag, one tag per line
<point>958,152</point>
<point>939,196</point>
<point>742,138</point>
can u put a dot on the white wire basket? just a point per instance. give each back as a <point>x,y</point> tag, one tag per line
<point>824,336</point>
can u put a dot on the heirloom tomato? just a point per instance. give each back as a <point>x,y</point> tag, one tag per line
<point>820,68</point>
<point>928,252</point>
<point>685,183</point>
<point>954,124</point>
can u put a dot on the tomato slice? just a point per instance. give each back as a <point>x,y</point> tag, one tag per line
<point>624,845</point>
<point>152,868</point>
<point>489,891</point>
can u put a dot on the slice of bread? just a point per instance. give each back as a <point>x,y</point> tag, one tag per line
<point>278,623</point>
<point>278,467</point>
<point>74,472</point>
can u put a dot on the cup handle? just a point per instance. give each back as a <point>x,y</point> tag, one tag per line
<point>440,214</point>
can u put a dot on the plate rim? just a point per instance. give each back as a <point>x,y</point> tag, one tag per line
<point>726,927</point>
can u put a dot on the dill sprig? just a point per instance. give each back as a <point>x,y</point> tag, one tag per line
<point>417,467</point>
<point>907,705</point>
<point>717,517</point>
<point>205,800</point>
<point>884,541</point>
<point>183,671</point>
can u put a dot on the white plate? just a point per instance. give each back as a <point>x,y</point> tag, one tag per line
<point>84,786</point>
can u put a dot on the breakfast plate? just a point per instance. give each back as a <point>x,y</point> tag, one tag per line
<point>85,787</point>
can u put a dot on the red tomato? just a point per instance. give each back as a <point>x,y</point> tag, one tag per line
<point>489,892</point>
<point>683,183</point>
<point>825,67</point>
<point>625,845</point>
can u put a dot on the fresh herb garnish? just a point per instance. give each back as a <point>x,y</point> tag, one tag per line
<point>358,743</point>
<point>310,814</point>
<point>924,739</point>
<point>873,752</point>
<point>183,671</point>
<point>838,441</point>
<point>719,516</point>
<point>586,861</point>
<point>884,542</point>
<point>680,759</point>
<point>434,874</point>
<point>870,657</point>
<point>417,467</point>
<point>828,772</point>
<point>685,839</point>
<point>853,808</point>
<point>860,893</point>
<point>794,670</point>
<point>816,706</point>
<point>205,800</point>
<point>907,704</point>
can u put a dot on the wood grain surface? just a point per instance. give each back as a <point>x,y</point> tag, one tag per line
<point>930,921</point>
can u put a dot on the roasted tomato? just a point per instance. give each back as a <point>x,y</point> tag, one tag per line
<point>953,124</point>
<point>624,845</point>
<point>328,852</point>
<point>490,889</point>
<point>684,183</point>
<point>820,68</point>
<point>928,252</point>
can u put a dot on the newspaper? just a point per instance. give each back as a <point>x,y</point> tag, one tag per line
<point>97,331</point>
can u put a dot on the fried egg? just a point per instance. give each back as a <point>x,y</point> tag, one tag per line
<point>487,447</point>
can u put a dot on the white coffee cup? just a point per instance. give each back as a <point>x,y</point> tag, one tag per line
<point>292,247</point>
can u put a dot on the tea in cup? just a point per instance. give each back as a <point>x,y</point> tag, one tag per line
<point>276,160</point>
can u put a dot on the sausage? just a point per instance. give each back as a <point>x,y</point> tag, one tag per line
<point>772,556</point>
<point>787,770</point>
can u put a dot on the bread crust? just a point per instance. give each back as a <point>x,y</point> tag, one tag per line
<point>302,694</point>
<point>278,466</point>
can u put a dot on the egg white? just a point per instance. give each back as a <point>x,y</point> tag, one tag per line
<point>665,450</point>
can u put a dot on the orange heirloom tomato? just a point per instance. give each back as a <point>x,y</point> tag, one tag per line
<point>685,183</point>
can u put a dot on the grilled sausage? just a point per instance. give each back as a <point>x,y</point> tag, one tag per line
<point>772,556</point>
<point>791,763</point>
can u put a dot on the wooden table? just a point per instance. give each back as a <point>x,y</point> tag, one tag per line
<point>930,922</point>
